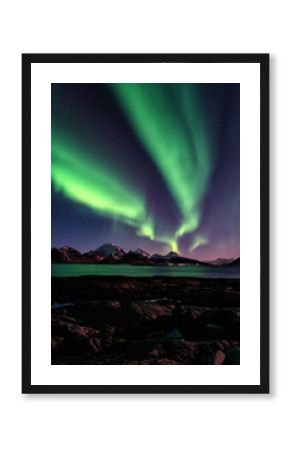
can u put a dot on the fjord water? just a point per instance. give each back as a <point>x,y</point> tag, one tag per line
<point>126,270</point>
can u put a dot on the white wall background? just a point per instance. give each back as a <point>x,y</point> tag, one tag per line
<point>74,422</point>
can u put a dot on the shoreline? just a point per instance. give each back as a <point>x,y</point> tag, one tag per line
<point>149,320</point>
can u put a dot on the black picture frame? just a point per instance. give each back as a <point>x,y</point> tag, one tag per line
<point>263,60</point>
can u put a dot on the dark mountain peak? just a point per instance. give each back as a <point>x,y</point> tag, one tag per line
<point>65,254</point>
<point>141,252</point>
<point>221,261</point>
<point>225,262</point>
<point>167,256</point>
<point>171,255</point>
<point>157,256</point>
<point>138,256</point>
<point>110,254</point>
<point>67,248</point>
<point>235,262</point>
<point>110,250</point>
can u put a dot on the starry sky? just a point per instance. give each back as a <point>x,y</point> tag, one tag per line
<point>151,166</point>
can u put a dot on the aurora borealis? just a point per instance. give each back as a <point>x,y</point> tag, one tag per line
<point>176,139</point>
<point>94,186</point>
<point>154,166</point>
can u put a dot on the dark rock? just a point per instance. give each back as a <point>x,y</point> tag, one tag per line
<point>62,328</point>
<point>173,334</point>
<point>217,358</point>
<point>232,356</point>
<point>95,344</point>
<point>158,320</point>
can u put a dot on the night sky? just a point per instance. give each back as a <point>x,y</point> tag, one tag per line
<point>151,166</point>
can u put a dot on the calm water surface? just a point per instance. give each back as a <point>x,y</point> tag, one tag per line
<point>76,270</point>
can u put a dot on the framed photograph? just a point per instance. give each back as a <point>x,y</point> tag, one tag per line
<point>145,223</point>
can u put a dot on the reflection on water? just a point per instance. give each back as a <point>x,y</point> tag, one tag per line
<point>76,270</point>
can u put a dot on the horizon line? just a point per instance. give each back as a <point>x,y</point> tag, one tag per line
<point>156,253</point>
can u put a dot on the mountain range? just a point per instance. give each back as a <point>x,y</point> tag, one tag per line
<point>113,254</point>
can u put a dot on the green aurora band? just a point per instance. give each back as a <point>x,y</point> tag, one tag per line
<point>90,183</point>
<point>168,119</point>
<point>198,241</point>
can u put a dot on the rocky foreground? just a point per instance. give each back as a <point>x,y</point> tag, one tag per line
<point>159,320</point>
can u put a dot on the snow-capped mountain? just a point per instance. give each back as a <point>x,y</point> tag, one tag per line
<point>109,250</point>
<point>114,254</point>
